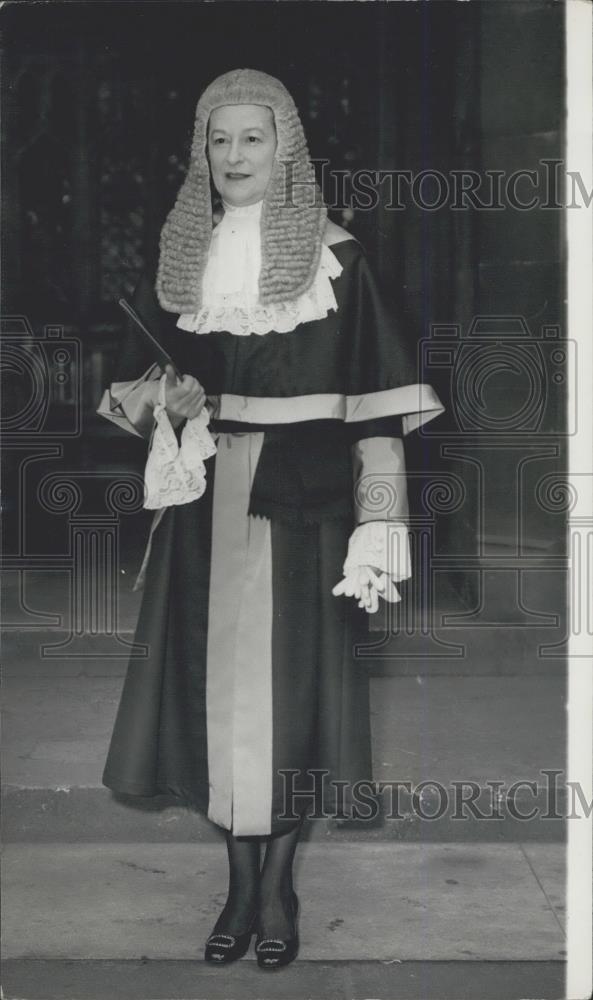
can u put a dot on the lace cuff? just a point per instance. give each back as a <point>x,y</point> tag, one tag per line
<point>384,545</point>
<point>175,473</point>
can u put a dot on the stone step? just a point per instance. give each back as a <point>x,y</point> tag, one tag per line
<point>430,732</point>
<point>471,651</point>
<point>516,627</point>
<point>83,815</point>
<point>194,980</point>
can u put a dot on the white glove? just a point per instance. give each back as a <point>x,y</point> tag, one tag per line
<point>378,556</point>
<point>367,585</point>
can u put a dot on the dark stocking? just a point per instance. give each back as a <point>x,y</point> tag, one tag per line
<point>242,900</point>
<point>276,909</point>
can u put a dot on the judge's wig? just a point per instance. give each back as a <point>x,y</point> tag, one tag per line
<point>293,214</point>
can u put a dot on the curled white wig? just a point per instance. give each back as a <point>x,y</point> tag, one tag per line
<point>293,214</point>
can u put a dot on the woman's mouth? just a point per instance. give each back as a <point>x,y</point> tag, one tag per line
<point>236,176</point>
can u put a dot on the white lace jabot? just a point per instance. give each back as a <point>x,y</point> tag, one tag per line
<point>230,283</point>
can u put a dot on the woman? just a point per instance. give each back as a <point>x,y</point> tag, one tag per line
<point>268,516</point>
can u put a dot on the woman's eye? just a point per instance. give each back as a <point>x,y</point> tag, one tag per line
<point>254,138</point>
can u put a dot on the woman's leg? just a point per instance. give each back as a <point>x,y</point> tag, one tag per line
<point>243,894</point>
<point>276,908</point>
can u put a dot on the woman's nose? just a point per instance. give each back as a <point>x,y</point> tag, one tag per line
<point>235,154</point>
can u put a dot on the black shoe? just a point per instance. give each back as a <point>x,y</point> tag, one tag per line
<point>222,948</point>
<point>273,953</point>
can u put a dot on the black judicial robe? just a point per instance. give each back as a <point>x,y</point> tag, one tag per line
<point>250,690</point>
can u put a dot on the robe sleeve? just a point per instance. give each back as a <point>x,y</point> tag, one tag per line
<point>382,376</point>
<point>387,400</point>
<point>380,538</point>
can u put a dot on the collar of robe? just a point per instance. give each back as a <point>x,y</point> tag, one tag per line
<point>230,285</point>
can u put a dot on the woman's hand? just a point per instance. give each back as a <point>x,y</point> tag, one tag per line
<point>185,399</point>
<point>367,585</point>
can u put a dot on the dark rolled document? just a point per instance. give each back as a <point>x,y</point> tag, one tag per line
<point>161,356</point>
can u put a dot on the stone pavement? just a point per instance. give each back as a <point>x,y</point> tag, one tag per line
<point>377,921</point>
<point>359,901</point>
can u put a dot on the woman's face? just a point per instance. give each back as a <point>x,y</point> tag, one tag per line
<point>241,147</point>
